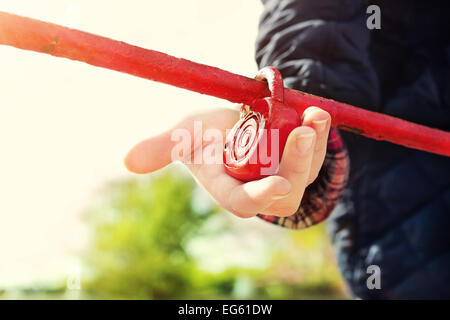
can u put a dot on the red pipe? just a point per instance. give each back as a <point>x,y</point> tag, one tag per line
<point>35,35</point>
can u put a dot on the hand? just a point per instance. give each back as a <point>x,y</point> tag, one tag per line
<point>278,195</point>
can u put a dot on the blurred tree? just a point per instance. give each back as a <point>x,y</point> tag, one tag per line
<point>139,229</point>
<point>143,231</point>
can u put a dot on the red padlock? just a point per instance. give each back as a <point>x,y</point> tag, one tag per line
<point>255,145</point>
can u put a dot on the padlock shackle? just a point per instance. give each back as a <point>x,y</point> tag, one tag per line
<point>274,82</point>
<point>39,36</point>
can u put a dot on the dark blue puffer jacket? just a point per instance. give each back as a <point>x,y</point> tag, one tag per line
<point>395,211</point>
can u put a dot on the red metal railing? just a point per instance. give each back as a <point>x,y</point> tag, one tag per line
<point>39,36</point>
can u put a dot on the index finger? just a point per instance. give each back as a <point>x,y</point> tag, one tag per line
<point>156,152</point>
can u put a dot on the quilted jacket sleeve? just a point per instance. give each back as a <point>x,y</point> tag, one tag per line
<point>320,47</point>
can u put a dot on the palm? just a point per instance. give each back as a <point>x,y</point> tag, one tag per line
<point>277,195</point>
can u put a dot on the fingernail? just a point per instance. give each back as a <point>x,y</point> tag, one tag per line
<point>320,125</point>
<point>304,142</point>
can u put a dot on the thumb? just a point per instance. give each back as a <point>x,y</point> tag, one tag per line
<point>150,155</point>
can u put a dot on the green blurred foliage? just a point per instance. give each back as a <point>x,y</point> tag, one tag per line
<point>143,231</point>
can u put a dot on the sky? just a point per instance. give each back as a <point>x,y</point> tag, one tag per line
<point>65,126</point>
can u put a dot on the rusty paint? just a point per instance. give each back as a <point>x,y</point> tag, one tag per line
<point>51,47</point>
<point>351,129</point>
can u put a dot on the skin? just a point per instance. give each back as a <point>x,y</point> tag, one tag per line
<point>278,195</point>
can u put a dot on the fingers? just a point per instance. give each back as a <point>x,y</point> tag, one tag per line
<point>156,152</point>
<point>251,198</point>
<point>150,155</point>
<point>276,195</point>
<point>320,121</point>
<point>302,159</point>
<point>245,200</point>
<point>295,166</point>
<point>179,142</point>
